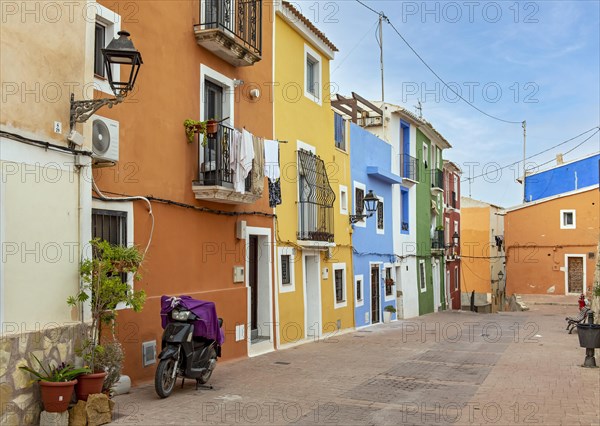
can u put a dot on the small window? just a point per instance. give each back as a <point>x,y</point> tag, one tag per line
<point>380,223</point>
<point>425,154</point>
<point>285,269</point>
<point>343,199</point>
<point>567,219</point>
<point>110,226</point>
<point>359,285</point>
<point>359,196</point>
<point>340,131</point>
<point>389,282</point>
<point>404,211</point>
<point>339,282</point>
<point>456,278</point>
<point>312,79</point>
<point>422,281</point>
<point>99,44</point>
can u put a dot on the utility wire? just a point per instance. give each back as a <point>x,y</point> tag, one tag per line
<point>541,152</point>
<point>433,72</point>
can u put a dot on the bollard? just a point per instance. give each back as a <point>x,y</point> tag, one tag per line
<point>590,359</point>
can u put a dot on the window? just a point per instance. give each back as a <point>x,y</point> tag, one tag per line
<point>312,72</point>
<point>108,24</point>
<point>340,131</point>
<point>447,236</point>
<point>110,225</point>
<point>380,222</point>
<point>358,290</point>
<point>359,204</point>
<point>286,269</point>
<point>567,219</point>
<point>433,164</point>
<point>389,282</point>
<point>213,101</point>
<point>422,281</point>
<point>404,211</point>
<point>425,154</point>
<point>99,40</point>
<point>456,278</point>
<point>339,278</point>
<point>343,199</point>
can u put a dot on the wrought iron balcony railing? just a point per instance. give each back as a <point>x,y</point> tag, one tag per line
<point>214,167</point>
<point>437,242</point>
<point>409,167</point>
<point>238,25</point>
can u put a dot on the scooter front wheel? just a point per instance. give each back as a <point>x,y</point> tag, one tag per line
<point>164,380</point>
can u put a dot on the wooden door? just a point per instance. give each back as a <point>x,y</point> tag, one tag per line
<point>375,303</point>
<point>575,274</point>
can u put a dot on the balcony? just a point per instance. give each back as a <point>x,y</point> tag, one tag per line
<point>215,177</point>
<point>409,169</point>
<point>437,241</point>
<point>437,181</point>
<point>315,205</point>
<point>231,29</point>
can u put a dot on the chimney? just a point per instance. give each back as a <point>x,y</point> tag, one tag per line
<point>559,159</point>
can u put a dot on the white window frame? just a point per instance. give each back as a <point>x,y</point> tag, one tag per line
<point>380,231</point>
<point>309,52</point>
<point>359,302</point>
<point>563,225</point>
<point>207,73</point>
<point>422,262</point>
<point>291,252</point>
<point>111,21</point>
<point>392,296</point>
<point>358,185</point>
<point>126,207</point>
<point>344,198</point>
<point>344,303</point>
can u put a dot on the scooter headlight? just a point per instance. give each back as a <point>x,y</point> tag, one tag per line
<point>180,315</point>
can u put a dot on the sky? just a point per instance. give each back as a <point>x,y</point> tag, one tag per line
<point>534,61</point>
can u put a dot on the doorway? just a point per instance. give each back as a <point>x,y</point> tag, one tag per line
<point>435,272</point>
<point>375,297</point>
<point>399,294</point>
<point>312,297</point>
<point>575,274</point>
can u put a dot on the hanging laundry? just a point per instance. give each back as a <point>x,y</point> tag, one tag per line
<point>272,170</point>
<point>258,166</point>
<point>274,193</point>
<point>241,162</point>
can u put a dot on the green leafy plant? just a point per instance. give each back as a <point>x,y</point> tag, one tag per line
<point>104,287</point>
<point>194,126</point>
<point>110,359</point>
<point>390,308</point>
<point>597,290</point>
<point>59,373</point>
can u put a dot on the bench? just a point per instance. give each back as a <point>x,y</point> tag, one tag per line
<point>580,318</point>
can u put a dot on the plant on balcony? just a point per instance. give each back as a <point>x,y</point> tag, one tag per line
<point>194,126</point>
<point>104,287</point>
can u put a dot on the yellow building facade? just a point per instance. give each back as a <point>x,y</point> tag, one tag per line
<point>314,283</point>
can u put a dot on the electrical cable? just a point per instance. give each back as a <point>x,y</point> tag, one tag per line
<point>539,153</point>
<point>129,198</point>
<point>42,144</point>
<point>432,70</point>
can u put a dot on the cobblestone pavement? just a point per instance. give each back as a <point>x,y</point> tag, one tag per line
<point>444,368</point>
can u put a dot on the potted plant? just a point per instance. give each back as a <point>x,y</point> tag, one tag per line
<point>104,287</point>
<point>212,126</point>
<point>194,126</point>
<point>56,384</point>
<point>388,311</point>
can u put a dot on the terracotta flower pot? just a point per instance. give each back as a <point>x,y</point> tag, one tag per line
<point>89,384</point>
<point>56,396</point>
<point>211,127</point>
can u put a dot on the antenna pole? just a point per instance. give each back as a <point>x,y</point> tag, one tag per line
<point>524,125</point>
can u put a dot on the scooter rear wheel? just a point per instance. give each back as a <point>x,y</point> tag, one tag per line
<point>206,376</point>
<point>164,381</point>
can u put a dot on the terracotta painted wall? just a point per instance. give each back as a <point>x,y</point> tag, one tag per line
<point>537,246</point>
<point>474,243</point>
<point>192,252</point>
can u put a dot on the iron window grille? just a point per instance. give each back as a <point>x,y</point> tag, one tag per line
<point>285,269</point>
<point>315,207</point>
<point>359,290</point>
<point>380,215</point>
<point>110,226</point>
<point>359,197</point>
<point>339,285</point>
<point>409,167</point>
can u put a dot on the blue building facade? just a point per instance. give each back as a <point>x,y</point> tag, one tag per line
<point>372,239</point>
<point>563,178</point>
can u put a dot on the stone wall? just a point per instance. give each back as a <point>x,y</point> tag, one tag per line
<point>20,402</point>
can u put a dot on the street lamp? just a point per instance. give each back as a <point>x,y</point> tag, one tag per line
<point>500,276</point>
<point>120,52</point>
<point>370,202</point>
<point>455,239</point>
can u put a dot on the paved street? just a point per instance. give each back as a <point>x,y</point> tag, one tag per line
<point>446,368</point>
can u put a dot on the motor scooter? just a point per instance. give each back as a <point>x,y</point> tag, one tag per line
<point>191,343</point>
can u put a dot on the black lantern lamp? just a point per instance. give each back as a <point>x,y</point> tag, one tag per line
<point>500,276</point>
<point>370,203</point>
<point>121,52</point>
<point>455,239</point>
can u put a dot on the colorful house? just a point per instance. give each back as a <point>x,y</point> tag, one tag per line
<point>45,196</point>
<point>431,244</point>
<point>555,255</point>
<point>373,238</point>
<point>483,255</point>
<point>452,228</point>
<point>314,256</point>
<point>211,233</point>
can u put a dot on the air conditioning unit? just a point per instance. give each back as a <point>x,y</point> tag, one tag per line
<point>105,139</point>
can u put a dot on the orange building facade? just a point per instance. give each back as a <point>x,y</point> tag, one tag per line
<point>552,243</point>
<point>209,240</point>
